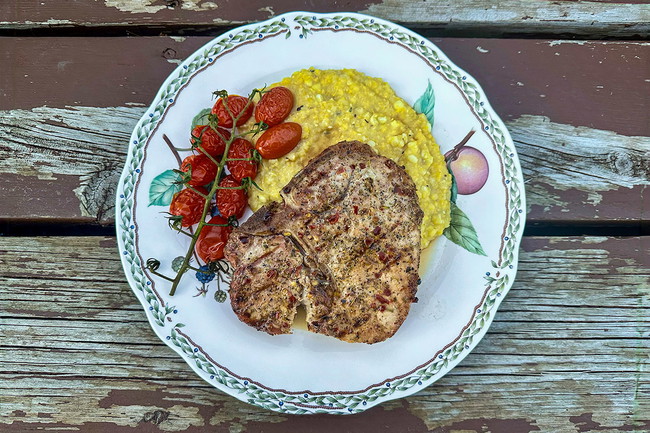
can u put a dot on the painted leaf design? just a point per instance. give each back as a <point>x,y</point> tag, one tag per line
<point>454,186</point>
<point>426,103</point>
<point>163,187</point>
<point>201,118</point>
<point>462,232</point>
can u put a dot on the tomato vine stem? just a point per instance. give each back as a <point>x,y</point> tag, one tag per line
<point>185,265</point>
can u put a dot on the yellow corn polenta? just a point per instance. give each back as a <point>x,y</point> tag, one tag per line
<point>338,105</point>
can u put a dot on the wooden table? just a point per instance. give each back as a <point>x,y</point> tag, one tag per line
<point>569,350</point>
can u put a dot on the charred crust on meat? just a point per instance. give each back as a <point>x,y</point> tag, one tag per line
<point>334,246</point>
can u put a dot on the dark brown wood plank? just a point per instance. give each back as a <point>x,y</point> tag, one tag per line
<point>592,18</point>
<point>581,126</point>
<point>568,351</point>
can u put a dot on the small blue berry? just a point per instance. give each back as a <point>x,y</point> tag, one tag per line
<point>419,382</point>
<point>196,350</point>
<point>206,276</point>
<point>281,403</point>
<point>364,403</point>
<point>245,382</point>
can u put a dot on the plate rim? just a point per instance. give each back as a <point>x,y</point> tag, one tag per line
<point>302,402</point>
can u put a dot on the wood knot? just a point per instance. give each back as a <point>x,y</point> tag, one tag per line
<point>155,417</point>
<point>169,53</point>
<point>622,163</point>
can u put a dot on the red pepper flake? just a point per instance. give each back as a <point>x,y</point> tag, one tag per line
<point>368,242</point>
<point>356,209</point>
<point>362,165</point>
<point>317,248</point>
<point>292,299</point>
<point>376,231</point>
<point>387,291</point>
<point>272,273</point>
<point>382,256</point>
<point>312,226</point>
<point>377,274</point>
<point>382,308</point>
<point>382,299</point>
<point>353,166</point>
<point>333,218</point>
<point>341,170</point>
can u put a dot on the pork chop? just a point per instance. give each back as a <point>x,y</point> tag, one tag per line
<point>345,243</point>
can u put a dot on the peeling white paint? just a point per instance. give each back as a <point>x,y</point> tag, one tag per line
<point>174,61</point>
<point>60,66</point>
<point>153,6</point>
<point>268,9</point>
<point>482,50</point>
<point>178,38</point>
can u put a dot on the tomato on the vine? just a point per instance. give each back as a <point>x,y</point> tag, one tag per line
<point>188,205</point>
<point>274,106</point>
<point>241,149</point>
<point>212,240</point>
<point>238,106</point>
<point>231,201</point>
<point>212,141</point>
<point>202,169</point>
<point>279,140</point>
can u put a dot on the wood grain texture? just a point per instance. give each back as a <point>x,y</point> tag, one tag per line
<point>601,85</point>
<point>572,173</point>
<point>568,351</point>
<point>581,131</point>
<point>593,18</point>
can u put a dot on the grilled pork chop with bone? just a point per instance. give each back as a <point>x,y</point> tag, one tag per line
<point>345,244</point>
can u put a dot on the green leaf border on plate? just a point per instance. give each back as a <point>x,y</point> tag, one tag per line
<point>338,403</point>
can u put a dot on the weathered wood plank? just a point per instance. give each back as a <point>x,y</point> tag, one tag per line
<point>601,85</point>
<point>568,351</point>
<point>593,18</point>
<point>582,165</point>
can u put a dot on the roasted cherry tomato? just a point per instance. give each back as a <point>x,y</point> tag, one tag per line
<point>274,106</point>
<point>241,149</point>
<point>237,105</point>
<point>202,168</point>
<point>279,140</point>
<point>188,205</point>
<point>231,201</point>
<point>210,140</point>
<point>212,240</point>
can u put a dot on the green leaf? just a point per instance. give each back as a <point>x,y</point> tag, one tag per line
<point>201,118</point>
<point>426,103</point>
<point>462,232</point>
<point>163,187</point>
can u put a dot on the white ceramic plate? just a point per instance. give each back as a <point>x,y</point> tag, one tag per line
<point>463,281</point>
